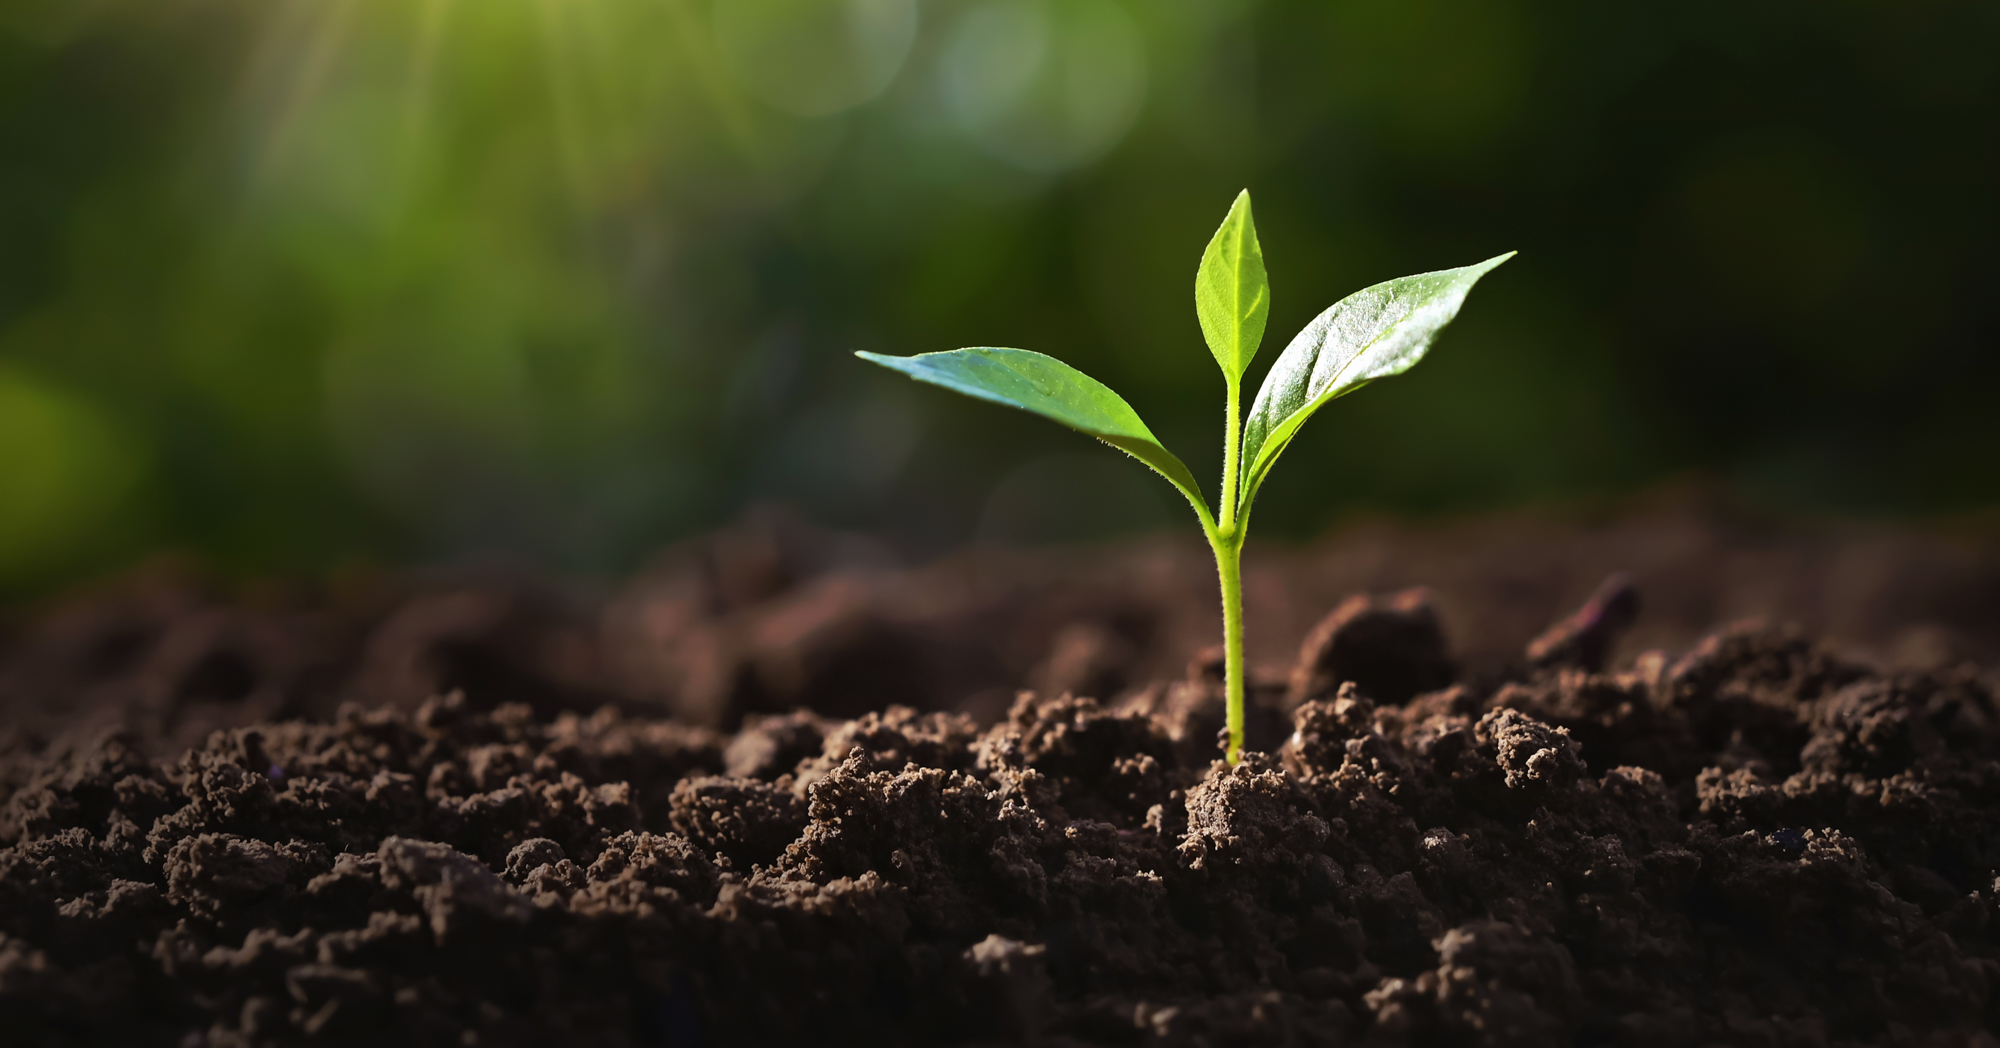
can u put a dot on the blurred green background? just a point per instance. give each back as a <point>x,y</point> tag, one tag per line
<point>291,283</point>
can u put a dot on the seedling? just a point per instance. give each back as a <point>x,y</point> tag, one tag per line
<point>1374,333</point>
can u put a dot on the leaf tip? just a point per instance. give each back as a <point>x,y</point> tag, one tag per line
<point>1241,206</point>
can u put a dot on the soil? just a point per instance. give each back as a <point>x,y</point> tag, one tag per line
<point>779,790</point>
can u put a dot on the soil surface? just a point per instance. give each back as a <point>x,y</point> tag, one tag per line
<point>779,790</point>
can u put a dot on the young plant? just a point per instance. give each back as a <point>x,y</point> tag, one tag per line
<point>1373,333</point>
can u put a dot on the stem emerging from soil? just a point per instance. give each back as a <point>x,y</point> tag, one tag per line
<point>1228,566</point>
<point>1227,542</point>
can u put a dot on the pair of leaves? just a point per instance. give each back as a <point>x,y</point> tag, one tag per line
<point>1374,333</point>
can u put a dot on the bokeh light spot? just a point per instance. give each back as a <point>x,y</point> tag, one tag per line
<point>65,471</point>
<point>1044,86</point>
<point>815,57</point>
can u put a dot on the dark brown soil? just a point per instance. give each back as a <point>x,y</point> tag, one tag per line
<point>467,811</point>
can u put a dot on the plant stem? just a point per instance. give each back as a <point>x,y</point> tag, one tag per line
<point>1232,453</point>
<point>1227,542</point>
<point>1229,567</point>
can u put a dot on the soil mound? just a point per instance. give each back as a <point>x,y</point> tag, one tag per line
<point>1752,841</point>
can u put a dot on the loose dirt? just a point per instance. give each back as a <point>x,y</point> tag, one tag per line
<point>455,813</point>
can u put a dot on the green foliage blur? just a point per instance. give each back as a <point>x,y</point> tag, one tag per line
<point>289,283</point>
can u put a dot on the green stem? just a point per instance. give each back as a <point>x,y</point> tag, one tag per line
<point>1227,542</point>
<point>1229,568</point>
<point>1232,455</point>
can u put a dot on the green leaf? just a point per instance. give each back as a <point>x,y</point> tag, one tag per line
<point>1052,389</point>
<point>1232,296</point>
<point>1374,333</point>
